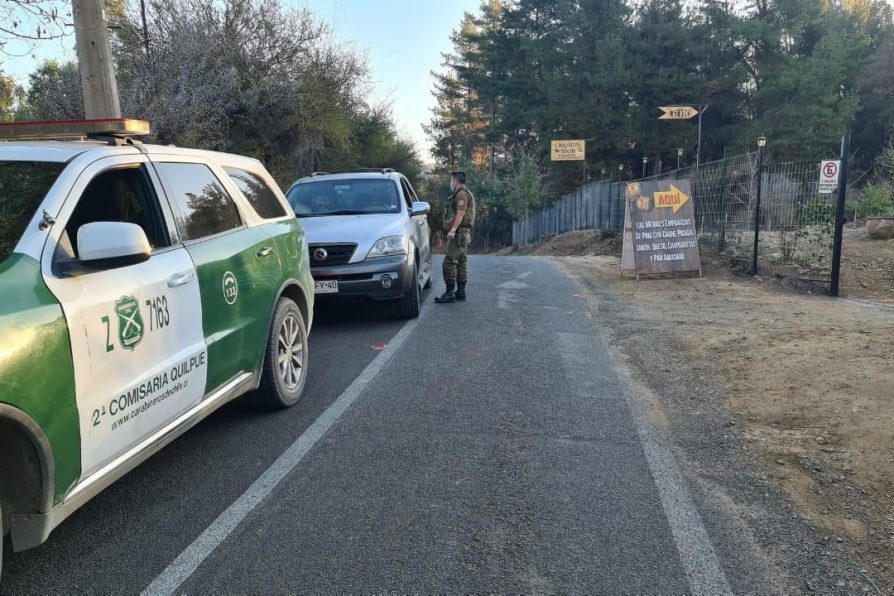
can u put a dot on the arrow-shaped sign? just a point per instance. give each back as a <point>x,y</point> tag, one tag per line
<point>673,198</point>
<point>678,112</point>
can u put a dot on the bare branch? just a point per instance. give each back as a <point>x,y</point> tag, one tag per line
<point>32,21</point>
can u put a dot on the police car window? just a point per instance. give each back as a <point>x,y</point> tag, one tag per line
<point>205,207</point>
<point>261,197</point>
<point>121,194</point>
<point>359,196</point>
<point>23,185</point>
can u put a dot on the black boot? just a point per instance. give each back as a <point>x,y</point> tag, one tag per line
<point>447,297</point>
<point>460,291</point>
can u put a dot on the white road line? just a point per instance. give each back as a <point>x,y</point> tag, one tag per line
<point>703,570</point>
<point>700,562</point>
<point>189,560</point>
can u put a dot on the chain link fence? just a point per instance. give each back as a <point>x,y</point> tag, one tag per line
<point>796,223</point>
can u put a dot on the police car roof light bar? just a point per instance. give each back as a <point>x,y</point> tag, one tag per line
<point>104,129</point>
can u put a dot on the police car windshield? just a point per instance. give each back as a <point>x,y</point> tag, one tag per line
<point>361,196</point>
<point>23,185</point>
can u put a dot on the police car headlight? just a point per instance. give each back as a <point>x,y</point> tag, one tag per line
<point>386,247</point>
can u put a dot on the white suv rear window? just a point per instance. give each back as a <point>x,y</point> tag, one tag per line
<point>262,198</point>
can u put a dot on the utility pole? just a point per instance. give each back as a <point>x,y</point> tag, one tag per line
<point>698,150</point>
<point>146,47</point>
<point>95,60</point>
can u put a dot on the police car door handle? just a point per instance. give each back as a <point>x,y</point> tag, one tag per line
<point>181,279</point>
<point>265,252</point>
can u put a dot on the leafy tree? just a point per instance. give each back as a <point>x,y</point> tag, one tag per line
<point>10,94</point>
<point>252,77</point>
<point>525,186</point>
<point>460,125</point>
<point>525,72</point>
<point>54,93</point>
<point>373,142</point>
<point>804,59</point>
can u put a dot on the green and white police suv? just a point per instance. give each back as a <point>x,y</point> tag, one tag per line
<point>141,287</point>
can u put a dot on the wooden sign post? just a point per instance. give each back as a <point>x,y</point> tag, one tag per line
<point>659,229</point>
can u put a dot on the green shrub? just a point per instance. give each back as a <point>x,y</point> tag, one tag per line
<point>817,212</point>
<point>876,199</point>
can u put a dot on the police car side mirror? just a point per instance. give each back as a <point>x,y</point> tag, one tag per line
<point>420,208</point>
<point>112,244</point>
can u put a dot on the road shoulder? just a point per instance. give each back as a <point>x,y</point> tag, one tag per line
<point>740,375</point>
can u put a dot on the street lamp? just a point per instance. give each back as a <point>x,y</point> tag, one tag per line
<point>645,161</point>
<point>679,155</point>
<point>761,143</point>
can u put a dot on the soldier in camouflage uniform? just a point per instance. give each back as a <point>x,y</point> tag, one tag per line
<point>459,219</point>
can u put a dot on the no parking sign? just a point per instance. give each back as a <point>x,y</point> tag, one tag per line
<point>828,181</point>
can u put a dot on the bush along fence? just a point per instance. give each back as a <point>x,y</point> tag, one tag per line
<point>795,224</point>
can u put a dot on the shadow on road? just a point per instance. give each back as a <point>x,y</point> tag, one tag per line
<point>337,314</point>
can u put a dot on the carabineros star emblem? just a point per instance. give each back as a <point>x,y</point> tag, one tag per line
<point>130,322</point>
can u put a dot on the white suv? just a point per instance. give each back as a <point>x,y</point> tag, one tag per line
<point>368,236</point>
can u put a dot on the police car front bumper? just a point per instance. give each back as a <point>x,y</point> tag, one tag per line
<point>380,278</point>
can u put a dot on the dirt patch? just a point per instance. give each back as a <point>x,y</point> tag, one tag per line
<point>867,268</point>
<point>805,381</point>
<point>582,242</point>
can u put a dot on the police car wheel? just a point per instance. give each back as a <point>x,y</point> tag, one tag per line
<point>409,305</point>
<point>285,363</point>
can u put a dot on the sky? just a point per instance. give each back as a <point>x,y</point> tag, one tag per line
<point>402,39</point>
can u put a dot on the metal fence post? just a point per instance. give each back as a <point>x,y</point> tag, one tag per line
<point>757,204</point>
<point>839,217</point>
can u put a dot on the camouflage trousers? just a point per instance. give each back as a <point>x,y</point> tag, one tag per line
<point>455,259</point>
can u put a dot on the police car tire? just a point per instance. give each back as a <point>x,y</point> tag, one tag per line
<point>409,305</point>
<point>274,392</point>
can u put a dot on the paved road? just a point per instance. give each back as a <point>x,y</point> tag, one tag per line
<point>494,449</point>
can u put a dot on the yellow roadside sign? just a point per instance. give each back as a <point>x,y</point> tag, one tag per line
<point>673,198</point>
<point>574,150</point>
<point>677,112</point>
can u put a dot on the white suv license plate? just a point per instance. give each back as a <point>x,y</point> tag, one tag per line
<point>326,287</point>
